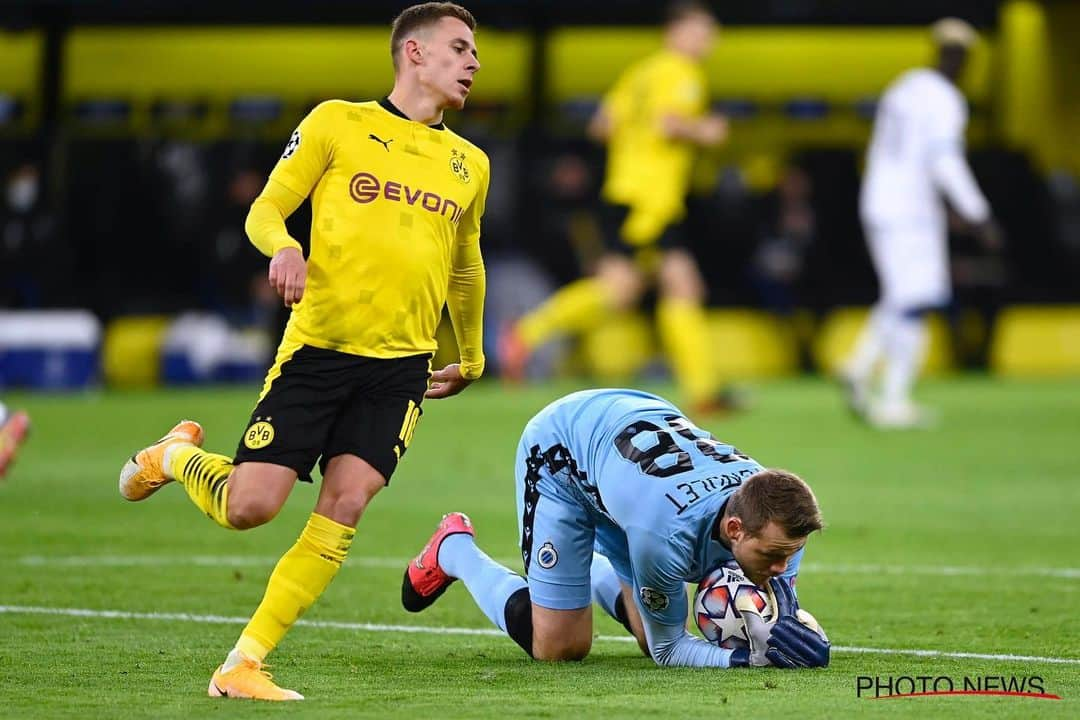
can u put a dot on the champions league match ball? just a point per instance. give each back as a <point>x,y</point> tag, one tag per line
<point>715,610</point>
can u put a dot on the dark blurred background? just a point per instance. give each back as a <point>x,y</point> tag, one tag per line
<point>134,135</point>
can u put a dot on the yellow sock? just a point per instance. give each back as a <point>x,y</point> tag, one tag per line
<point>684,332</point>
<point>579,306</point>
<point>300,577</point>
<point>205,477</point>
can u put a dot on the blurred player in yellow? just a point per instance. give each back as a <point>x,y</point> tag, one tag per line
<point>652,120</point>
<point>396,204</point>
<point>14,427</point>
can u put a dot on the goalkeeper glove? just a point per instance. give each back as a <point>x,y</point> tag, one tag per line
<point>796,640</point>
<point>757,630</point>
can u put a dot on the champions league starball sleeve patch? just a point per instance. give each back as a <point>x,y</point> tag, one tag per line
<point>654,599</point>
<point>291,146</point>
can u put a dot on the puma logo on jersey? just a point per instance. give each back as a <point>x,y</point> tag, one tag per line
<point>384,143</point>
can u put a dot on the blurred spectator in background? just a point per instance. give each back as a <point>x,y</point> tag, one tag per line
<point>787,233</point>
<point>570,223</point>
<point>978,279</point>
<point>1065,196</point>
<point>181,172</point>
<point>651,121</point>
<point>916,154</point>
<point>181,186</point>
<point>236,284</point>
<point>571,244</point>
<point>787,226</point>
<point>30,269</point>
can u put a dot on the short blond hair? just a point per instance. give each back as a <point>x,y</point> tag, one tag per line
<point>953,31</point>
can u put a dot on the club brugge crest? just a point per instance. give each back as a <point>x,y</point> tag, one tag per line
<point>458,166</point>
<point>547,556</point>
<point>654,599</point>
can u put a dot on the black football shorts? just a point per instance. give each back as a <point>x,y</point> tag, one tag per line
<point>317,404</point>
<point>612,217</point>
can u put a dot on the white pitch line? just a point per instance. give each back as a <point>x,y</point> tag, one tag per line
<point>388,562</point>
<point>976,656</point>
<point>196,560</point>
<point>946,570</point>
<point>227,620</point>
<point>487,632</point>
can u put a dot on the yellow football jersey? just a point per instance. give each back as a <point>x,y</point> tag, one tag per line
<point>646,170</point>
<point>396,208</point>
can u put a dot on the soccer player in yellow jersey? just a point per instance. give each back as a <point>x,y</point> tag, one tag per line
<point>652,120</point>
<point>396,204</point>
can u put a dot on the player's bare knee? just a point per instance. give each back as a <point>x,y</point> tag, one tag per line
<point>345,508</point>
<point>257,492</point>
<point>679,277</point>
<point>562,650</point>
<point>248,512</point>
<point>561,635</point>
<point>349,484</point>
<point>579,649</point>
<point>622,281</point>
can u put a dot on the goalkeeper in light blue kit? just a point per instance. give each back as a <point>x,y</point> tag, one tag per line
<point>623,500</point>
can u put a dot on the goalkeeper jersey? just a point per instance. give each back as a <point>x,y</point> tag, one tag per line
<point>396,208</point>
<point>656,484</point>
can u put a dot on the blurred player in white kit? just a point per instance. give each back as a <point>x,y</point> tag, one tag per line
<point>916,156</point>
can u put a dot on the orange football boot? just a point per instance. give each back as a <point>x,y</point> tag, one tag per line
<point>249,680</point>
<point>144,473</point>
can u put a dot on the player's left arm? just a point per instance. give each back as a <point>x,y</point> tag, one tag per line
<point>686,117</point>
<point>948,165</point>
<point>465,299</point>
<point>660,598</point>
<point>794,641</point>
<point>708,131</point>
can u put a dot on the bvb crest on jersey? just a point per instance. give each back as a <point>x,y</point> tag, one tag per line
<point>458,166</point>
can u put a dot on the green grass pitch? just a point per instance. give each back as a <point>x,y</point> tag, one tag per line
<point>961,540</point>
